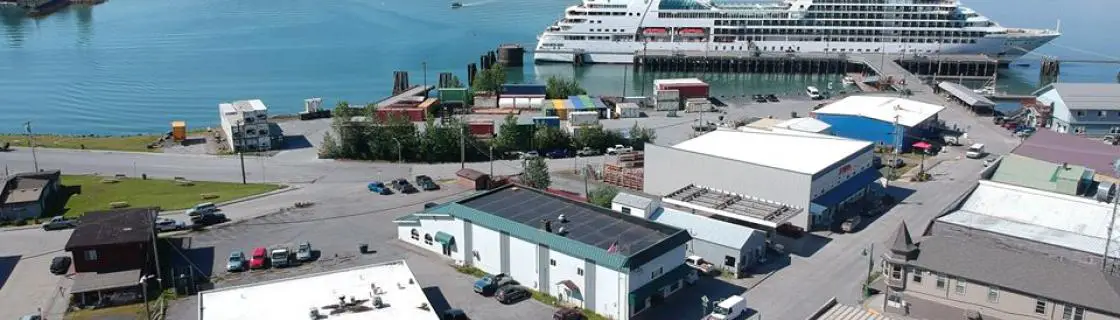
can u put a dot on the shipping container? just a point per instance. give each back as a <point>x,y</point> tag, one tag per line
<point>312,105</point>
<point>557,103</point>
<point>697,105</point>
<point>667,94</point>
<point>667,105</point>
<point>547,121</point>
<point>601,108</point>
<point>179,130</point>
<point>506,103</point>
<point>628,110</point>
<point>453,95</point>
<point>689,88</point>
<point>587,101</point>
<point>577,104</point>
<point>523,89</point>
<point>583,118</point>
<point>485,101</point>
<point>521,103</point>
<point>481,128</point>
<point>642,102</point>
<point>536,103</point>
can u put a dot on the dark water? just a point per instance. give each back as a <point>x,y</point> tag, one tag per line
<point>131,66</point>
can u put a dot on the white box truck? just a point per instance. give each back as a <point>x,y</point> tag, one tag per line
<point>975,151</point>
<point>731,308</point>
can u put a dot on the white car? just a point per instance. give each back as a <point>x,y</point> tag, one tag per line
<point>618,148</point>
<point>165,225</point>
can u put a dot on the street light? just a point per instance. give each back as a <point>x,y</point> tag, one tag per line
<point>144,292</point>
<point>870,254</point>
<point>400,155</point>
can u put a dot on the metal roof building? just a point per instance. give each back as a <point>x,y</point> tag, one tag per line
<point>818,173</point>
<point>1056,177</point>
<point>805,125</point>
<point>966,95</point>
<point>1088,109</point>
<point>1055,147</point>
<point>728,246</point>
<point>874,119</point>
<point>573,250</point>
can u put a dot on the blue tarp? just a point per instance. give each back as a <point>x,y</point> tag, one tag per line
<point>846,189</point>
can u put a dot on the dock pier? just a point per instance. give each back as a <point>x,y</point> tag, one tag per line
<point>946,66</point>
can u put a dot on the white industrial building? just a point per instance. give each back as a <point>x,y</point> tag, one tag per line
<point>378,291</point>
<point>1074,228</point>
<point>245,125</point>
<point>765,178</point>
<point>804,125</point>
<point>613,264</point>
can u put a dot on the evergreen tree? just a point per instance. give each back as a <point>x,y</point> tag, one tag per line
<point>536,173</point>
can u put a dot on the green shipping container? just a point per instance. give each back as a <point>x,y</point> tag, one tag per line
<point>458,95</point>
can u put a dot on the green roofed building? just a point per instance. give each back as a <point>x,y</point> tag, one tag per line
<point>1042,175</point>
<point>611,263</point>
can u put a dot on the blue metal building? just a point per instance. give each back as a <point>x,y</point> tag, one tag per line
<point>886,121</point>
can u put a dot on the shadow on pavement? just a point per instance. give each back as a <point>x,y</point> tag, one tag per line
<point>7,265</point>
<point>685,304</point>
<point>296,142</point>
<point>190,266</point>
<point>774,262</point>
<point>436,298</point>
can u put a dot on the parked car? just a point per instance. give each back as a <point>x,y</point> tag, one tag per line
<point>618,148</point>
<point>259,260</point>
<point>587,152</point>
<point>512,294</point>
<point>454,314</point>
<point>379,188</point>
<point>528,155</point>
<point>426,183</point>
<point>772,98</point>
<point>851,224</point>
<point>731,308</point>
<point>557,154</point>
<point>165,225</point>
<point>303,253</point>
<point>698,263</point>
<point>430,205</point>
<point>402,186</point>
<point>60,264</point>
<point>31,317</point>
<point>568,314</point>
<point>202,208</point>
<point>236,261</point>
<point>759,98</point>
<point>280,258</point>
<point>59,223</point>
<point>208,219</point>
<point>489,283</point>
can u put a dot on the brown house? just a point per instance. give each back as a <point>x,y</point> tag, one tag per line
<point>473,179</point>
<point>114,240</point>
<point>27,195</point>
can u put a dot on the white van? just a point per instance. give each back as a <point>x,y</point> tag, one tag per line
<point>975,151</point>
<point>813,93</point>
<point>731,308</point>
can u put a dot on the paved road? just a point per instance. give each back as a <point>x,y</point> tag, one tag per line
<point>26,283</point>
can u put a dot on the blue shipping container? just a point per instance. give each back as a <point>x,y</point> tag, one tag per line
<point>523,89</point>
<point>577,103</point>
<point>547,121</point>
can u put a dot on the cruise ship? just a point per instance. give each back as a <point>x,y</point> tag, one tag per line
<point>612,31</point>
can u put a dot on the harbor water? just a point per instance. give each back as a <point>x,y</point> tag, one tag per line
<point>132,66</point>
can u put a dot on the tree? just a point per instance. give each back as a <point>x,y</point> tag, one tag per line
<point>551,138</point>
<point>536,173</point>
<point>455,83</point>
<point>490,79</point>
<point>640,136</point>
<point>597,138</point>
<point>510,135</point>
<point>560,88</point>
<point>602,196</point>
<point>329,148</point>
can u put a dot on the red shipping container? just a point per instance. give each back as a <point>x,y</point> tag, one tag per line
<point>688,90</point>
<point>481,128</point>
<point>412,114</point>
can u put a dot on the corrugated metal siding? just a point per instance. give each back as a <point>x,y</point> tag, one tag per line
<point>860,128</point>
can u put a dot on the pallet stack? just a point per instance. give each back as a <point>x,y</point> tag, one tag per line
<point>626,170</point>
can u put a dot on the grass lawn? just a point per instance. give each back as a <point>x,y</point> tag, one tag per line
<point>118,143</point>
<point>130,311</point>
<point>166,194</point>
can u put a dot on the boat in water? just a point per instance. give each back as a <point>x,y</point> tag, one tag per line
<point>39,8</point>
<point>456,5</point>
<point>612,31</point>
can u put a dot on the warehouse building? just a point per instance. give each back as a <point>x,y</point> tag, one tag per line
<point>245,125</point>
<point>386,290</point>
<point>594,258</point>
<point>730,247</point>
<point>733,173</point>
<point>886,121</point>
<point>1085,109</point>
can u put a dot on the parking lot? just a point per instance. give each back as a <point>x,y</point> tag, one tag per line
<point>25,280</point>
<point>335,228</point>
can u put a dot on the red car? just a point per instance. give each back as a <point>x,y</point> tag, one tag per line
<point>257,260</point>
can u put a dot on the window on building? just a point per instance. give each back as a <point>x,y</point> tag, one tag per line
<point>993,294</point>
<point>729,261</point>
<point>415,234</point>
<point>626,210</point>
<point>1102,113</point>
<point>91,255</point>
<point>1114,130</point>
<point>552,262</point>
<point>579,271</point>
<point>959,285</point>
<point>896,271</point>
<point>1081,113</point>
<point>427,239</point>
<point>917,276</point>
<point>1073,313</point>
<point>1040,306</point>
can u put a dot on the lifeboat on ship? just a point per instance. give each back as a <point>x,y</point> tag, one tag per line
<point>691,31</point>
<point>653,31</point>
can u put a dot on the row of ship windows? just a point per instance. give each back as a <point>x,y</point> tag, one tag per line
<point>777,38</point>
<point>854,32</point>
<point>897,8</point>
<point>850,23</point>
<point>881,16</point>
<point>602,13</point>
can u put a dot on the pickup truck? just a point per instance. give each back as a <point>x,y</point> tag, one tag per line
<point>587,152</point>
<point>698,263</point>
<point>281,257</point>
<point>59,223</point>
<point>618,148</point>
<point>489,283</point>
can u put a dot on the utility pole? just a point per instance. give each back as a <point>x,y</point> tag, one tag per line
<point>424,66</point>
<point>462,146</point>
<point>870,253</point>
<point>491,161</point>
<point>240,152</point>
<point>400,153</point>
<point>31,142</point>
<point>1112,222</point>
<point>625,70</point>
<point>895,146</point>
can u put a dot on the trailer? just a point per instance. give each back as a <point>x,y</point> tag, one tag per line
<point>583,118</point>
<point>688,87</point>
